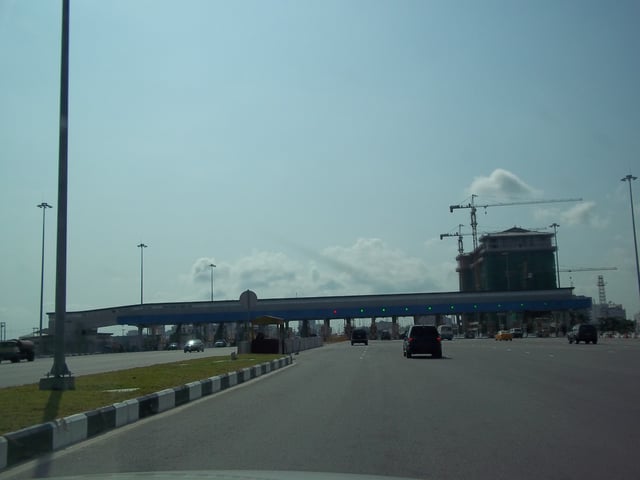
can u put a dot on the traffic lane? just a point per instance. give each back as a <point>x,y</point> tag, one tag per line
<point>292,420</point>
<point>562,412</point>
<point>368,410</point>
<point>12,374</point>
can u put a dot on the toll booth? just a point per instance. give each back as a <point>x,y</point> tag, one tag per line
<point>265,339</point>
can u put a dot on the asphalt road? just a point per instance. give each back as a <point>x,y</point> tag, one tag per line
<point>531,408</point>
<point>24,372</point>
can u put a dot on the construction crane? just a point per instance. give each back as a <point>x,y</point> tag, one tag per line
<point>474,207</point>
<point>458,234</point>
<point>590,269</point>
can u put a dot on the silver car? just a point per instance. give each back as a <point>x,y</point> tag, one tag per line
<point>194,345</point>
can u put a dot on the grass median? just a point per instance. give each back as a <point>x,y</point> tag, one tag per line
<point>26,405</point>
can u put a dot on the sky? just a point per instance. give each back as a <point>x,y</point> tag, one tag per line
<point>311,148</point>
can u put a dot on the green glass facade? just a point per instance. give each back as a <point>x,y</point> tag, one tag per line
<point>515,259</point>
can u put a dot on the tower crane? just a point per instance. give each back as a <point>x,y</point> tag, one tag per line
<point>474,207</point>
<point>458,234</point>
<point>587,269</point>
<point>591,269</point>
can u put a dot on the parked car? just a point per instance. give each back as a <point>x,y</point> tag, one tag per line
<point>172,346</point>
<point>220,343</point>
<point>422,339</point>
<point>469,334</point>
<point>516,332</point>
<point>359,335</point>
<point>583,333</point>
<point>194,345</point>
<point>504,335</point>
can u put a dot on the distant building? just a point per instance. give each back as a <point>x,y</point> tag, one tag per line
<point>516,259</point>
<point>608,310</point>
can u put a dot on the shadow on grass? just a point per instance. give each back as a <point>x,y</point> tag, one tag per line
<point>52,407</point>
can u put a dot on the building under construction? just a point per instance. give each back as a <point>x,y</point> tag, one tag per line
<point>515,259</point>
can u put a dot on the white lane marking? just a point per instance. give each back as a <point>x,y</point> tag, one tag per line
<point>364,353</point>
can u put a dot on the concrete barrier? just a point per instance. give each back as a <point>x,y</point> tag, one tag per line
<point>298,344</point>
<point>69,430</point>
<point>126,412</point>
<point>29,443</point>
<point>3,452</point>
<point>195,390</point>
<point>166,400</point>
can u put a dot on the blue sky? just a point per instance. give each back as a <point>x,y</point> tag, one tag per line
<point>311,147</point>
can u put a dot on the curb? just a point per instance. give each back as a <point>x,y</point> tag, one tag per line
<point>28,443</point>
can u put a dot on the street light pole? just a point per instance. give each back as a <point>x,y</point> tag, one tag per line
<point>212,267</point>
<point>628,178</point>
<point>43,206</point>
<point>555,239</point>
<point>60,378</point>
<point>142,246</point>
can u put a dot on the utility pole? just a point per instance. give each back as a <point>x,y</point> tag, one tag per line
<point>555,226</point>
<point>59,378</point>
<point>43,206</point>
<point>212,267</point>
<point>141,246</point>
<point>628,178</point>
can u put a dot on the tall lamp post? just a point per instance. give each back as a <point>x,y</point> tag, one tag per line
<point>60,378</point>
<point>43,206</point>
<point>628,178</point>
<point>142,246</point>
<point>212,267</point>
<point>555,226</point>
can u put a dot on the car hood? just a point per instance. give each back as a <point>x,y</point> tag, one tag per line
<point>231,475</point>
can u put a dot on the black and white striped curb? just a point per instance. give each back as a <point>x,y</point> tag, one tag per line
<point>30,442</point>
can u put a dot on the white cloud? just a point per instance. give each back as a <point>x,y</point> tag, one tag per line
<point>501,184</point>
<point>583,213</point>
<point>367,266</point>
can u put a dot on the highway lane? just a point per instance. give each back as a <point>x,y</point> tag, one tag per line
<point>22,373</point>
<point>531,408</point>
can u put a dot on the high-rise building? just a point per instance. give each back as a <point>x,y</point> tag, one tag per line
<point>515,259</point>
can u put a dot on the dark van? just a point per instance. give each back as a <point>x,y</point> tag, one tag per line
<point>359,335</point>
<point>422,339</point>
<point>583,333</point>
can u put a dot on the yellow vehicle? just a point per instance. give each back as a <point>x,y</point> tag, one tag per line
<point>504,335</point>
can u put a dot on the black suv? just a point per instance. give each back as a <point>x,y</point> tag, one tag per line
<point>359,335</point>
<point>422,339</point>
<point>583,333</point>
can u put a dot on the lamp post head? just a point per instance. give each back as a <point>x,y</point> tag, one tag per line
<point>44,205</point>
<point>628,178</point>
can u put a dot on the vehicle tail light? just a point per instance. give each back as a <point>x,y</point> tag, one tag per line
<point>410,339</point>
<point>438,338</point>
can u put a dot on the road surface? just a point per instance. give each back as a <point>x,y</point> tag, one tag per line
<point>12,374</point>
<point>526,409</point>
